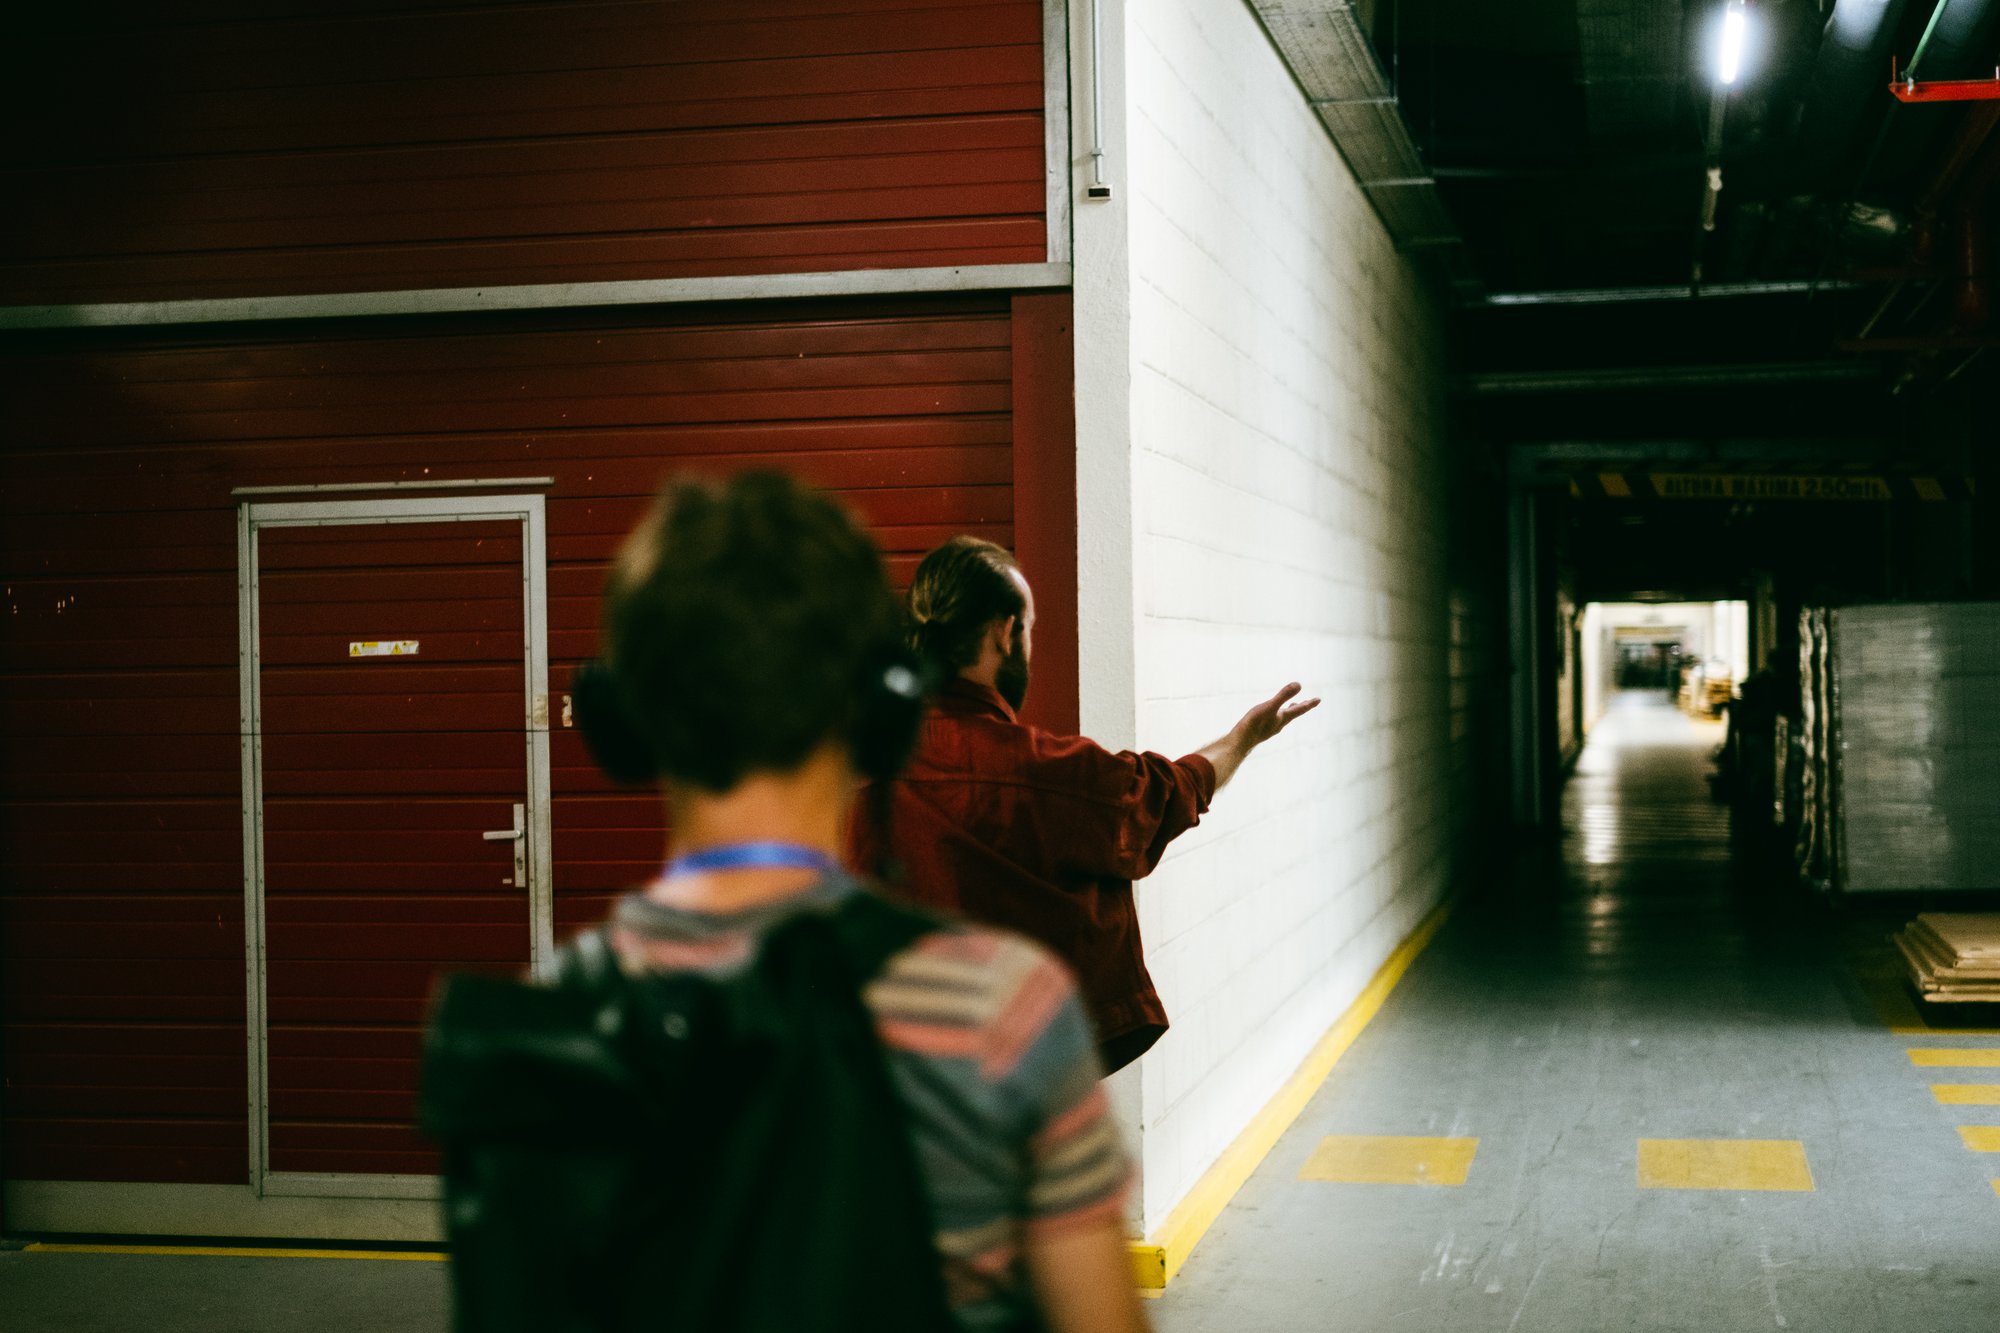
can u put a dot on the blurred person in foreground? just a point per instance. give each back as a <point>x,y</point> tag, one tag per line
<point>1019,828</point>
<point>754,665</point>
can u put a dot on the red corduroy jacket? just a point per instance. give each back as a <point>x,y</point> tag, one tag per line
<point>1014,827</point>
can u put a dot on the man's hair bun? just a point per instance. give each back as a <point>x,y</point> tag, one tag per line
<point>961,588</point>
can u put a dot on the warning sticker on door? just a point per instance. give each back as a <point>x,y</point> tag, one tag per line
<point>383,648</point>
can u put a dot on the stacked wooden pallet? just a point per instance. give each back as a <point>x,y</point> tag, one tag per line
<point>1953,956</point>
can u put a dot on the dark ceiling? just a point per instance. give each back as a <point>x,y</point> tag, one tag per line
<point>1571,142</point>
<point>1833,321</point>
<point>1570,138</point>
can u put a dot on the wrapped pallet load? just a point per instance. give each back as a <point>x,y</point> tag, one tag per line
<point>1914,759</point>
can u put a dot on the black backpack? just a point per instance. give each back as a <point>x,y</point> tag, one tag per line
<point>684,1153</point>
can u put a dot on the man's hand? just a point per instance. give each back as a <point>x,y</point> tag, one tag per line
<point>1255,727</point>
<point>1272,716</point>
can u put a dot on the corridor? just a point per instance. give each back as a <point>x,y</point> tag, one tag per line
<point>1644,1093</point>
<point>1112,370</point>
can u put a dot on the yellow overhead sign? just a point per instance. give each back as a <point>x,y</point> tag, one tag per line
<point>1753,486</point>
<point>1766,486</point>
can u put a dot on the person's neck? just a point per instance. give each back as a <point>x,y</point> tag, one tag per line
<point>806,807</point>
<point>986,671</point>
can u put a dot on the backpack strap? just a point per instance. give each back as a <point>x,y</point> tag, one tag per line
<point>871,930</point>
<point>587,964</point>
<point>895,1282</point>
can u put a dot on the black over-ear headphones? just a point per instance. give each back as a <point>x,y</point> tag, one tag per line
<point>889,709</point>
<point>609,732</point>
<point>890,697</point>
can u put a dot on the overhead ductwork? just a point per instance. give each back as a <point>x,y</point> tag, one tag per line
<point>1326,44</point>
<point>1631,52</point>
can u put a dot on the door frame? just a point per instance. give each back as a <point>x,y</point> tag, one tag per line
<point>253,516</point>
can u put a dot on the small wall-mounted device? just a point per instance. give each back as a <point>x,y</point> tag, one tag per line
<point>1097,192</point>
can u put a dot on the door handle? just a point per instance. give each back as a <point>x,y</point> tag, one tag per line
<point>518,835</point>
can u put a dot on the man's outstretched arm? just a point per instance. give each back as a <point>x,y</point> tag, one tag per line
<point>1255,727</point>
<point>1122,810</point>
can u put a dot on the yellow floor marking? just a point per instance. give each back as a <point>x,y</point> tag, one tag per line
<point>233,1252</point>
<point>1159,1257</point>
<point>1966,1094</point>
<point>1365,1159</point>
<point>1723,1164</point>
<point>1961,1057</point>
<point>1981,1138</point>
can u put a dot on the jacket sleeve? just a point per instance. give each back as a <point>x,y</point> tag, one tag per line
<point>1115,813</point>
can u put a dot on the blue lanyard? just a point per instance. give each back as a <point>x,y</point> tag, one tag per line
<point>752,856</point>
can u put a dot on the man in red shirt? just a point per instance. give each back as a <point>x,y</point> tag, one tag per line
<point>1009,825</point>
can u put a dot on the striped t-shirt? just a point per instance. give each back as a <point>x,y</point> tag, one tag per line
<point>991,1053</point>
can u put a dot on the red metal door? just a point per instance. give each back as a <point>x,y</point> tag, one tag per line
<point>393,674</point>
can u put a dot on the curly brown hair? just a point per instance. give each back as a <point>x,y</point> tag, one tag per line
<point>738,619</point>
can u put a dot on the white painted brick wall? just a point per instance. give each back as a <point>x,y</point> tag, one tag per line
<point>1288,514</point>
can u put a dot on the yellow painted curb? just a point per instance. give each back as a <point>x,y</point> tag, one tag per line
<point>231,1252</point>
<point>1156,1259</point>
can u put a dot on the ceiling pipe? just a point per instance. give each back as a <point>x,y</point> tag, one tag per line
<point>1854,50</point>
<point>1680,292</point>
<point>1524,458</point>
<point>1666,377</point>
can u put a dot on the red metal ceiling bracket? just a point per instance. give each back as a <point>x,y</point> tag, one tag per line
<point>1944,90</point>
<point>1948,90</point>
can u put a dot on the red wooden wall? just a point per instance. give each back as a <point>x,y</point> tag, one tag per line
<point>121,900</point>
<point>256,147</point>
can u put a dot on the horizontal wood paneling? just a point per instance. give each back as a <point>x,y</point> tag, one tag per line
<point>192,1151</point>
<point>420,146</point>
<point>121,911</point>
<point>45,987</point>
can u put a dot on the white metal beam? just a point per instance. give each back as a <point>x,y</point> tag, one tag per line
<point>542,296</point>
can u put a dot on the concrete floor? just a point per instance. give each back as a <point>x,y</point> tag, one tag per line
<point>1639,987</point>
<point>132,1293</point>
<point>1644,989</point>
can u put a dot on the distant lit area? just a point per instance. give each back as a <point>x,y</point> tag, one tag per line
<point>1695,653</point>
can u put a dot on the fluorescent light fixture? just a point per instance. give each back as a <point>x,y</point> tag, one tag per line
<point>1730,63</point>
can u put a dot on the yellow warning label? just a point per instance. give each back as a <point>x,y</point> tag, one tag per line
<point>1765,486</point>
<point>383,648</point>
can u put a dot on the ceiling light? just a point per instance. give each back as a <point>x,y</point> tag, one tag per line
<point>1729,63</point>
